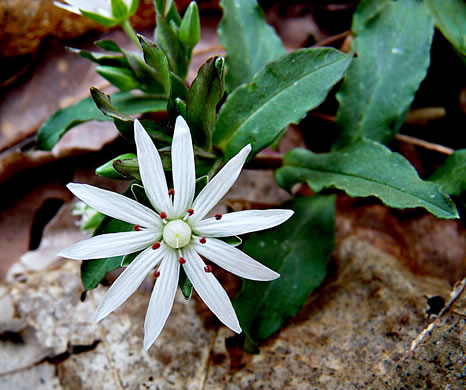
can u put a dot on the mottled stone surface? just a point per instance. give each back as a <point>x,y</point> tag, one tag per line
<point>354,332</point>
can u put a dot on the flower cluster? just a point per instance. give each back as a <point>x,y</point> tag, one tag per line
<point>175,233</point>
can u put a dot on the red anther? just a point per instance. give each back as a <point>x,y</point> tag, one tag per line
<point>218,217</point>
<point>156,273</point>
<point>171,192</point>
<point>163,215</point>
<point>156,245</point>
<point>137,227</point>
<point>181,260</point>
<point>208,268</point>
<point>190,211</point>
<point>203,240</point>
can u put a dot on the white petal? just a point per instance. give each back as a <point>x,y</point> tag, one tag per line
<point>67,7</point>
<point>219,185</point>
<point>210,290</point>
<point>151,170</point>
<point>111,244</point>
<point>234,261</point>
<point>116,205</point>
<point>241,222</point>
<point>184,174</point>
<point>161,300</point>
<point>129,280</point>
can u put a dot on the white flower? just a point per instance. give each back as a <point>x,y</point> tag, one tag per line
<point>101,8</point>
<point>175,234</point>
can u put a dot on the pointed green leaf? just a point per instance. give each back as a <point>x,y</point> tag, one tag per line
<point>280,94</point>
<point>450,17</point>
<point>157,60</point>
<point>85,110</point>
<point>104,21</point>
<point>452,174</point>
<point>128,259</point>
<point>185,285</point>
<point>249,41</point>
<point>393,46</point>
<point>171,45</point>
<point>366,168</point>
<point>119,9</point>
<point>122,78</point>
<point>299,250</point>
<point>108,45</point>
<point>201,107</point>
<point>100,58</point>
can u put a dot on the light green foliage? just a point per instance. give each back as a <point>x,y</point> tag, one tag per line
<point>299,250</point>
<point>392,43</point>
<point>280,94</point>
<point>450,17</point>
<point>452,174</point>
<point>249,41</point>
<point>157,60</point>
<point>366,168</point>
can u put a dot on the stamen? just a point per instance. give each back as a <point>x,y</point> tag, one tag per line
<point>156,273</point>
<point>218,217</point>
<point>190,211</point>
<point>203,240</point>
<point>163,215</point>
<point>208,269</point>
<point>181,260</point>
<point>156,245</point>
<point>171,192</point>
<point>137,227</point>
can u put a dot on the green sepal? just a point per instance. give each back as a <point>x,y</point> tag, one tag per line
<point>190,28</point>
<point>140,195</point>
<point>94,221</point>
<point>122,78</point>
<point>180,107</point>
<point>201,107</point>
<point>157,60</point>
<point>128,259</point>
<point>133,7</point>
<point>108,170</point>
<point>185,285</point>
<point>201,182</point>
<point>232,240</point>
<point>127,167</point>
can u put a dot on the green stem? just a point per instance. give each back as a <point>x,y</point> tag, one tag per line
<point>126,25</point>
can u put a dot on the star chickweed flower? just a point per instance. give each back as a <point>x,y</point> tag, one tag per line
<point>101,11</point>
<point>175,234</point>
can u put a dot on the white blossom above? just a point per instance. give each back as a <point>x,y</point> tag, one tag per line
<point>175,234</point>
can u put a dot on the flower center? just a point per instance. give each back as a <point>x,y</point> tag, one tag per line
<point>177,233</point>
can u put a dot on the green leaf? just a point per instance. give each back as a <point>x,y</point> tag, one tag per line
<point>249,41</point>
<point>93,271</point>
<point>85,110</point>
<point>185,285</point>
<point>100,58</point>
<point>280,94</point>
<point>366,168</point>
<point>392,41</point>
<point>133,7</point>
<point>201,107</point>
<point>450,17</point>
<point>108,45</point>
<point>157,60</point>
<point>452,174</point>
<point>148,79</point>
<point>107,169</point>
<point>299,250</point>
<point>122,78</point>
<point>171,45</point>
<point>119,9</point>
<point>178,90</point>
<point>104,21</point>
<point>190,27</point>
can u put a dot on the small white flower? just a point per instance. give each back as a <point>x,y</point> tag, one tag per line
<point>102,8</point>
<point>175,234</point>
